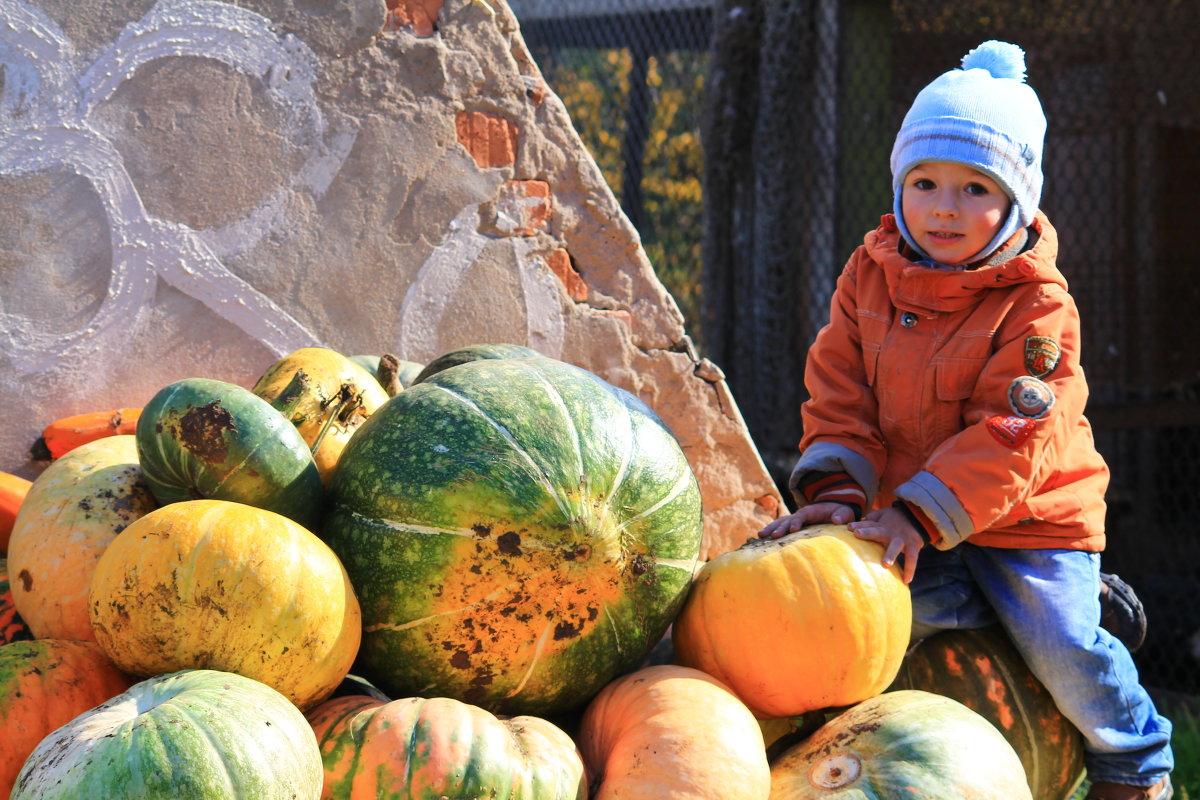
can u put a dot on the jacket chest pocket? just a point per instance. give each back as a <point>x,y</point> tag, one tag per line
<point>955,378</point>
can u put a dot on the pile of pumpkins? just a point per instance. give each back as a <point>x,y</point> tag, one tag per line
<point>472,578</point>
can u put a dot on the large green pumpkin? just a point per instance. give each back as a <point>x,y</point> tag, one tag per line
<point>191,735</point>
<point>473,352</point>
<point>518,532</point>
<point>200,438</point>
<point>902,744</point>
<point>983,670</point>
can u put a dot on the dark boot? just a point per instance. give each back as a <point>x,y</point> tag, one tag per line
<point>1121,612</point>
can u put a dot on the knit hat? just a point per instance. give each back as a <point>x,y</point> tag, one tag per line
<point>986,117</point>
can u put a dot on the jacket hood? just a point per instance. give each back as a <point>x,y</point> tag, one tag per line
<point>927,290</point>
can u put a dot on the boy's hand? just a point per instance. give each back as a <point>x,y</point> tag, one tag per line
<point>836,513</point>
<point>891,528</point>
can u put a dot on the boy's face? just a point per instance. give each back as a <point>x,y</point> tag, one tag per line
<point>951,210</point>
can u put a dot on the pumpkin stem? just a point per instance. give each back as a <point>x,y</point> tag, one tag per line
<point>388,374</point>
<point>292,394</point>
<point>348,401</point>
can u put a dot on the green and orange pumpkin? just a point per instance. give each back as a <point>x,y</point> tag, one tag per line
<point>518,531</point>
<point>983,670</point>
<point>905,743</point>
<point>441,748</point>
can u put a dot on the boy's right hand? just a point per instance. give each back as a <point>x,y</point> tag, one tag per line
<point>816,514</point>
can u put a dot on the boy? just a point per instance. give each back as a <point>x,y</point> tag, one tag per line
<point>947,402</point>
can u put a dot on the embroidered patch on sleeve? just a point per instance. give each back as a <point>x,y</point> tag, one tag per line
<point>1029,397</point>
<point>1010,431</point>
<point>1041,355</point>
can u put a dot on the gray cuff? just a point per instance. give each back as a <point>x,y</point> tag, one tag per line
<point>928,493</point>
<point>830,457</point>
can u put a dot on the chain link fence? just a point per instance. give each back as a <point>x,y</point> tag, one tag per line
<point>679,99</point>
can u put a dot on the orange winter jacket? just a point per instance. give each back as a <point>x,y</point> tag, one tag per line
<point>960,393</point>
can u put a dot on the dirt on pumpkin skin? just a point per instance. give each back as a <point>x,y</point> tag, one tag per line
<point>202,429</point>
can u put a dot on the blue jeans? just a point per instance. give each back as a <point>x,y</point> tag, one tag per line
<point>1048,601</point>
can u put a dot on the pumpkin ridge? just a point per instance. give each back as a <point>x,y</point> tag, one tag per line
<point>535,469</point>
<point>682,483</point>
<point>201,726</point>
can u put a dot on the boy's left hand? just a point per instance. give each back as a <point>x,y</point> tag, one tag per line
<point>891,528</point>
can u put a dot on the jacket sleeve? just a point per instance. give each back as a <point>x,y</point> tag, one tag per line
<point>841,417</point>
<point>1026,404</point>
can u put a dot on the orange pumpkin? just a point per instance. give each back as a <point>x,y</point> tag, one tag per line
<point>327,403</point>
<point>64,435</point>
<point>44,684</point>
<point>439,747</point>
<point>13,489</point>
<point>809,621</point>
<point>213,584</point>
<point>672,733</point>
<point>74,509</point>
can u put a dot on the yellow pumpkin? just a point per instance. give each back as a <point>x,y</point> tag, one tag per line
<point>333,395</point>
<point>213,584</point>
<point>808,621</point>
<point>672,733</point>
<point>73,510</point>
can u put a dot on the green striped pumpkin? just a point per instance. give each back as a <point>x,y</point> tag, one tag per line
<point>518,532</point>
<point>190,735</point>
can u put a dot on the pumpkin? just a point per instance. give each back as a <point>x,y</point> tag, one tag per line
<point>12,627</point>
<point>473,352</point>
<point>902,744</point>
<point>212,584</point>
<point>672,733</point>
<point>518,531</point>
<point>190,735</point>
<point>74,509</point>
<point>46,683</point>
<point>983,670</point>
<point>200,438</point>
<point>325,395</point>
<point>64,435</point>
<point>441,748</point>
<point>808,621</point>
<point>13,489</point>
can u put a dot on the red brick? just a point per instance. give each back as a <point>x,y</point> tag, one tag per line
<point>559,262</point>
<point>490,138</point>
<point>527,203</point>
<point>420,15</point>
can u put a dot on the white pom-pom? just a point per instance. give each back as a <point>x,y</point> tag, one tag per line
<point>1002,59</point>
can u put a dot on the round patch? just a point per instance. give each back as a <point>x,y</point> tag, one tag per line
<point>1029,397</point>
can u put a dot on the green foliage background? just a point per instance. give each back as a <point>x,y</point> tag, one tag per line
<point>594,87</point>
